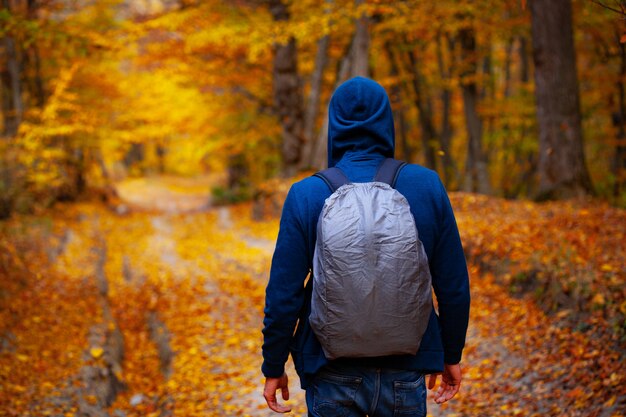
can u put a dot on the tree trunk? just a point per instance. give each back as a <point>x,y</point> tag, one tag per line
<point>398,106</point>
<point>524,61</point>
<point>313,104</point>
<point>361,46</point>
<point>424,108</point>
<point>238,175</point>
<point>562,169</point>
<point>355,62</point>
<point>6,189</point>
<point>450,172</point>
<point>161,151</point>
<point>12,106</point>
<point>287,95</point>
<point>476,174</point>
<point>508,52</point>
<point>320,150</point>
<point>135,154</point>
<point>619,121</point>
<point>488,93</point>
<point>37,89</point>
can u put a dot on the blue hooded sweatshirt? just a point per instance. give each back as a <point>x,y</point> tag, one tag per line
<point>360,137</point>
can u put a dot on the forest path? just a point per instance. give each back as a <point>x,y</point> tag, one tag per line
<point>167,194</point>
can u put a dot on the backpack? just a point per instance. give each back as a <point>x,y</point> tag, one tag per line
<point>371,280</point>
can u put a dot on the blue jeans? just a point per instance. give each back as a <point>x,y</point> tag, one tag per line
<point>338,391</point>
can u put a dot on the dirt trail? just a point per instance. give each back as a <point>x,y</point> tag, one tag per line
<point>166,194</point>
<point>229,303</point>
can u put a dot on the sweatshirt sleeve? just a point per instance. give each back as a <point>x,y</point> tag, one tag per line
<point>284,295</point>
<point>450,282</point>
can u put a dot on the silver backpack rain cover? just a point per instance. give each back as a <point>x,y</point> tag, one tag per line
<point>371,279</point>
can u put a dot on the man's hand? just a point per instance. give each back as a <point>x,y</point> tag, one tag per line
<point>269,392</point>
<point>450,383</point>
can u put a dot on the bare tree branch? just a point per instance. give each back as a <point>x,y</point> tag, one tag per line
<point>621,3</point>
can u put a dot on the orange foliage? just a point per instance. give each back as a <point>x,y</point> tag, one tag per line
<point>571,254</point>
<point>203,275</point>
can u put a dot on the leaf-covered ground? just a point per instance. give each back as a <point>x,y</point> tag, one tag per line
<point>181,295</point>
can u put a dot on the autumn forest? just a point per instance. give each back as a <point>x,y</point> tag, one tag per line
<point>147,146</point>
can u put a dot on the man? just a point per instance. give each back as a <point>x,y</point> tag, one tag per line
<point>360,137</point>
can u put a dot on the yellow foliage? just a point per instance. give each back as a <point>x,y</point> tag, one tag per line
<point>96,352</point>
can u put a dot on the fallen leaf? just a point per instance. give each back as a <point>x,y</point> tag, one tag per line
<point>96,352</point>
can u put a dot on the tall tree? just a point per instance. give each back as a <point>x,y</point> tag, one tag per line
<point>450,172</point>
<point>361,45</point>
<point>313,102</point>
<point>344,67</point>
<point>33,59</point>
<point>619,121</point>
<point>476,174</point>
<point>562,169</point>
<point>425,112</point>
<point>288,94</point>
<point>12,105</point>
<point>355,62</point>
<point>397,104</point>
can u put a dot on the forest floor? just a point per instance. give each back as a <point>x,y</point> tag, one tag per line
<point>156,309</point>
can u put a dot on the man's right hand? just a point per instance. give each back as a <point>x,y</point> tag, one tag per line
<point>450,383</point>
<point>269,392</point>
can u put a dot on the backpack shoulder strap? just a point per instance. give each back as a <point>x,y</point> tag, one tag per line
<point>388,171</point>
<point>333,177</point>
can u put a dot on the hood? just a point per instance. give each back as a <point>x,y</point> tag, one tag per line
<point>360,122</point>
